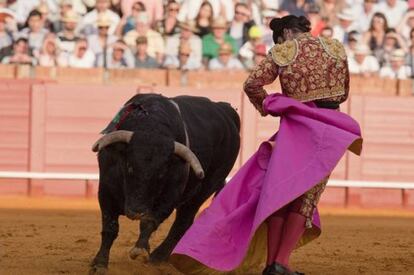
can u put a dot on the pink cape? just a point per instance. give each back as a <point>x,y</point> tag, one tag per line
<point>309,144</point>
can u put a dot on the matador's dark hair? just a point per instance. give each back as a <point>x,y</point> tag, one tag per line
<point>292,22</point>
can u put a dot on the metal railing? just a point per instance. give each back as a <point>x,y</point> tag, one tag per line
<point>88,177</point>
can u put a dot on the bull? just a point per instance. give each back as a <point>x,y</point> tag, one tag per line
<point>161,154</point>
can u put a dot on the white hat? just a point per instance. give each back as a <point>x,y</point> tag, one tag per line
<point>362,49</point>
<point>269,13</point>
<point>346,14</point>
<point>397,55</point>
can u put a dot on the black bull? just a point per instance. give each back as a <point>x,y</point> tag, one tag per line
<point>144,167</point>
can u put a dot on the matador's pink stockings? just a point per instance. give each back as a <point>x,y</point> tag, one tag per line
<point>285,227</point>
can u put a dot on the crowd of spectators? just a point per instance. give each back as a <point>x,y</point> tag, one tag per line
<point>199,34</point>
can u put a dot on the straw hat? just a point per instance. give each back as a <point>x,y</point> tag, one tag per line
<point>397,55</point>
<point>220,23</point>
<point>6,13</point>
<point>362,49</point>
<point>225,49</point>
<point>346,14</point>
<point>103,20</point>
<point>188,25</point>
<point>270,13</point>
<point>70,17</point>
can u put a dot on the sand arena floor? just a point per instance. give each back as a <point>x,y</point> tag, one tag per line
<point>60,236</point>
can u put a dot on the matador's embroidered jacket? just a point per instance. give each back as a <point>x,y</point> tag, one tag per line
<point>309,69</point>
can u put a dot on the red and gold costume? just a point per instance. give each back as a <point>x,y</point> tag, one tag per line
<point>309,69</point>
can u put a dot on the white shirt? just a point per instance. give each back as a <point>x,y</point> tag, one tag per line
<point>88,24</point>
<point>403,72</point>
<point>233,63</point>
<point>190,8</point>
<point>86,61</point>
<point>363,20</point>
<point>393,14</point>
<point>369,65</point>
<point>22,8</point>
<point>173,43</point>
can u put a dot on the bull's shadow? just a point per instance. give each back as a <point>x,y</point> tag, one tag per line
<point>157,155</point>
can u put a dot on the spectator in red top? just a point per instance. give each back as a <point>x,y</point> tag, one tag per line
<point>315,18</point>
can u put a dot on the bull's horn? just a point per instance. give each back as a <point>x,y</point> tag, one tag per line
<point>186,154</point>
<point>117,136</point>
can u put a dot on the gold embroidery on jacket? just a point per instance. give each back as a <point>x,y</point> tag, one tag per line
<point>285,53</point>
<point>333,47</point>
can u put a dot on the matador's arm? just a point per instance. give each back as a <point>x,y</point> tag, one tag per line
<point>263,74</point>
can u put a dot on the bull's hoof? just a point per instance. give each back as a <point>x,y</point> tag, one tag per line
<point>136,252</point>
<point>158,257</point>
<point>98,270</point>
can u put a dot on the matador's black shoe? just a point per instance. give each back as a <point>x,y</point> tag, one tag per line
<point>277,269</point>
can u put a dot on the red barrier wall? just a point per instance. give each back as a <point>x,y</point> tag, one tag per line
<point>50,127</point>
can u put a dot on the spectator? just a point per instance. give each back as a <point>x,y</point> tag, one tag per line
<point>374,38</point>
<point>260,54</point>
<point>211,42</point>
<point>340,31</point>
<point>154,9</point>
<point>118,56</point>
<point>100,42</point>
<point>315,18</point>
<point>225,59</point>
<point>48,56</point>
<point>267,37</point>
<point>327,32</point>
<point>169,24</point>
<point>246,52</point>
<point>363,63</point>
<point>353,39</point>
<point>186,36</point>
<point>67,36</point>
<point>329,10</point>
<point>20,53</point>
<point>397,68</point>
<point>128,21</point>
<point>364,17</point>
<point>392,41</point>
<point>295,7</point>
<point>82,56</point>
<point>64,7</point>
<point>221,8</point>
<point>88,23</point>
<point>406,24</point>
<point>154,39</point>
<point>44,11</point>
<point>142,58</point>
<point>184,60</point>
<point>393,10</point>
<point>34,31</point>
<point>25,7</point>
<point>5,37</point>
<point>204,19</point>
<point>239,27</point>
<point>410,55</point>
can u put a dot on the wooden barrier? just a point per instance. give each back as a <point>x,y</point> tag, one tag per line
<point>48,127</point>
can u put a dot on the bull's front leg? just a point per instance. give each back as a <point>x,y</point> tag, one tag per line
<point>110,228</point>
<point>146,228</point>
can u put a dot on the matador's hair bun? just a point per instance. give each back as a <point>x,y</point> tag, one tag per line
<point>295,23</point>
